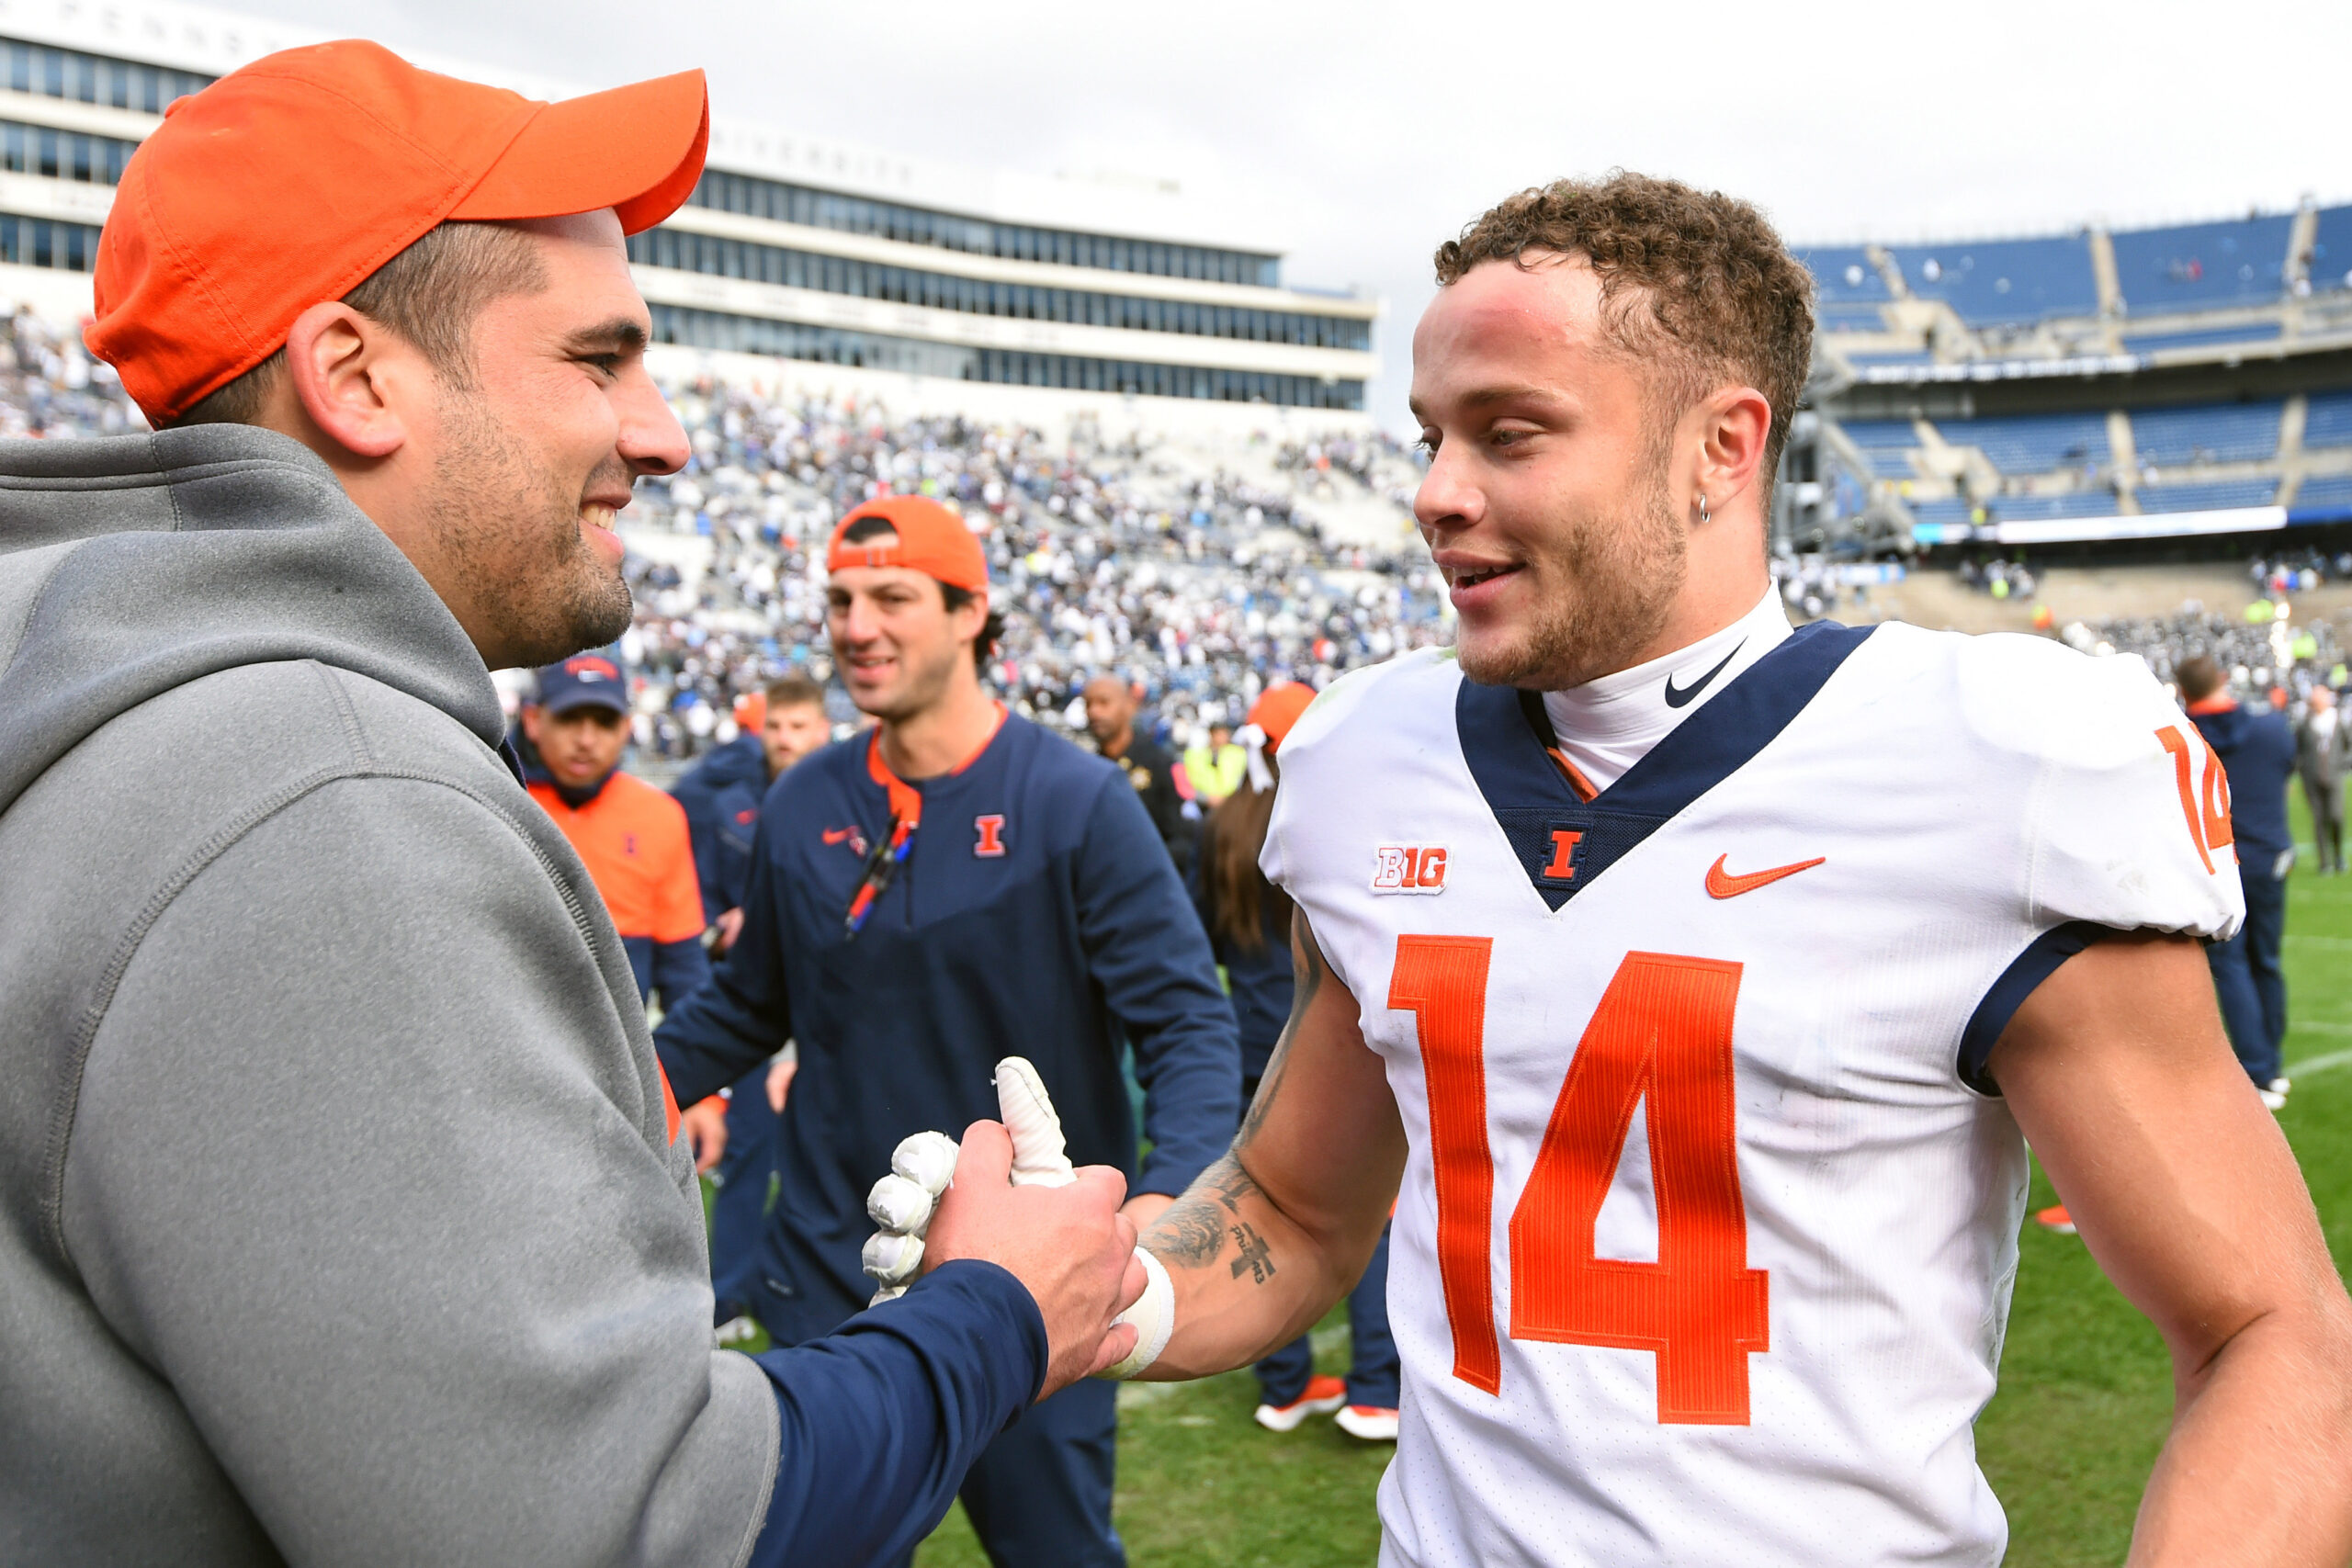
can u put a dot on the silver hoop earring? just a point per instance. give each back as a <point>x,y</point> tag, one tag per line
<point>1702,511</point>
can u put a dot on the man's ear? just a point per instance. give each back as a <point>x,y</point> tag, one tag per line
<point>354,379</point>
<point>1734,424</point>
<point>531,717</point>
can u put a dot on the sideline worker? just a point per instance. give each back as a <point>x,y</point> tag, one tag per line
<point>370,1242</point>
<point>721,795</point>
<point>1111,720</point>
<point>953,886</point>
<point>2257,752</point>
<point>631,836</point>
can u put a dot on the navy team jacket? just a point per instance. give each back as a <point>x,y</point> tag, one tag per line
<point>1038,915</point>
<point>722,794</point>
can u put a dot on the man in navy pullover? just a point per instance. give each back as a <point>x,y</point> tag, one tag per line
<point>954,886</point>
<point>2257,752</point>
<point>721,797</point>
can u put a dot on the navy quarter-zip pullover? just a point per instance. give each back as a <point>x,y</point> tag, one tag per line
<point>1038,915</point>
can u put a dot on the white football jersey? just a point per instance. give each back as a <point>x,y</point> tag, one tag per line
<point>1710,1218</point>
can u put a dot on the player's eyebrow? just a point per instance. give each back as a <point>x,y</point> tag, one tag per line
<point>622,334</point>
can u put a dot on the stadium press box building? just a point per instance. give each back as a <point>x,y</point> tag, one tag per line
<point>797,249</point>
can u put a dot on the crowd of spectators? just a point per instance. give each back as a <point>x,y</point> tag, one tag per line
<point>1151,560</point>
<point>2272,656</point>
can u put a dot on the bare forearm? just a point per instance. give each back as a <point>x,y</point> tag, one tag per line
<point>1248,1278</point>
<point>2258,1467</point>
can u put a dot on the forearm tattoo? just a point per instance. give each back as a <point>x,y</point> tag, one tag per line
<point>1193,1232</point>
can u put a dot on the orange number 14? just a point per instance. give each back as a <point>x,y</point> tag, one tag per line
<point>1660,1038</point>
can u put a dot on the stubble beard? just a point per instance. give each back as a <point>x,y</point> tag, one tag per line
<point>513,532</point>
<point>1612,584</point>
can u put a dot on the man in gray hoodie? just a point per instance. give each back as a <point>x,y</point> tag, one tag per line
<point>341,1215</point>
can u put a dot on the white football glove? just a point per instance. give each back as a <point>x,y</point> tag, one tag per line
<point>920,1168</point>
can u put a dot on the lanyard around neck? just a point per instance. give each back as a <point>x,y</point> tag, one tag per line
<point>882,862</point>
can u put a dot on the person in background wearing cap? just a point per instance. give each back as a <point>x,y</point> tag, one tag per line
<point>631,836</point>
<point>721,797</point>
<point>1111,720</point>
<point>954,887</point>
<point>1214,765</point>
<point>1248,920</point>
<point>346,1220</point>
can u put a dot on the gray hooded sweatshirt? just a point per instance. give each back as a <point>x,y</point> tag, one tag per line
<point>339,1220</point>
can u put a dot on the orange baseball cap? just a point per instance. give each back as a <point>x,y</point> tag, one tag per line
<point>289,182</point>
<point>1278,708</point>
<point>931,540</point>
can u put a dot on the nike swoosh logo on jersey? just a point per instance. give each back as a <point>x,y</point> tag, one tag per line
<point>1675,699</point>
<point>1721,884</point>
<point>849,836</point>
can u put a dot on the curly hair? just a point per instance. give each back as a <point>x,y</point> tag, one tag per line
<point>1695,284</point>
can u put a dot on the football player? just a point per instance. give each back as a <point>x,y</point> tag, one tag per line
<point>1702,981</point>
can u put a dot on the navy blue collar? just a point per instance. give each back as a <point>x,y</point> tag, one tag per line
<point>1563,843</point>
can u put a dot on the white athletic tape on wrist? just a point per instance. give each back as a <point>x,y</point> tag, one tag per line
<point>1039,1154</point>
<point>1154,1316</point>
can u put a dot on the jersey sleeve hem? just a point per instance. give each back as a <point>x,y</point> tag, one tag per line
<point>2024,975</point>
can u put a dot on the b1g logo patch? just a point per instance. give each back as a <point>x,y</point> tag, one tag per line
<point>1408,868</point>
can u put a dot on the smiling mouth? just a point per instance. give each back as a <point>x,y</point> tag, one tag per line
<point>597,515</point>
<point>1483,574</point>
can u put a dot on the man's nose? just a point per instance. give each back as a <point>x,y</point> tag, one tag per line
<point>651,439</point>
<point>1447,498</point>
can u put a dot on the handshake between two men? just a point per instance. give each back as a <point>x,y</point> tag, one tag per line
<point>1008,1195</point>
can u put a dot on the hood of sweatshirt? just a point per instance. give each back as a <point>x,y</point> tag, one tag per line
<point>134,564</point>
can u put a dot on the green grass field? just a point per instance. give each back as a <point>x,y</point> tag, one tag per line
<point>2085,1389</point>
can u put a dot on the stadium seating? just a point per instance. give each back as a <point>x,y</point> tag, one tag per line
<point>2331,265</point>
<point>2215,496</point>
<point>2199,337</point>
<point>2041,508</point>
<point>2000,281</point>
<point>2330,492</point>
<point>2198,266</point>
<point>2328,421</point>
<point>2208,433</point>
<point>2033,444</point>
<point>1845,277</point>
<point>1885,442</point>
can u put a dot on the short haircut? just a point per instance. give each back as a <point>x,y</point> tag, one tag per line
<point>2199,677</point>
<point>1695,284</point>
<point>795,692</point>
<point>874,524</point>
<point>430,294</point>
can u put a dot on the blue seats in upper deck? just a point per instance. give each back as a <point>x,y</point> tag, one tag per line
<point>2327,420</point>
<point>2034,443</point>
<point>1843,275</point>
<point>2206,432</point>
<point>2219,495</point>
<point>1995,281</point>
<point>2198,265</point>
<point>2331,249</point>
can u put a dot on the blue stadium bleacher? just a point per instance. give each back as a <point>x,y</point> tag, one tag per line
<point>2202,264</point>
<point>2033,444</point>
<point>1886,445</point>
<point>2042,508</point>
<point>1843,276</point>
<point>1849,318</point>
<point>2327,420</point>
<point>2206,432</point>
<point>1945,511</point>
<point>1888,357</point>
<point>2201,337</point>
<point>2219,495</point>
<point>2330,495</point>
<point>2331,249</point>
<point>1995,281</point>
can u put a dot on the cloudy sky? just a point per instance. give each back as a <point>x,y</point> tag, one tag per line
<point>1362,134</point>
